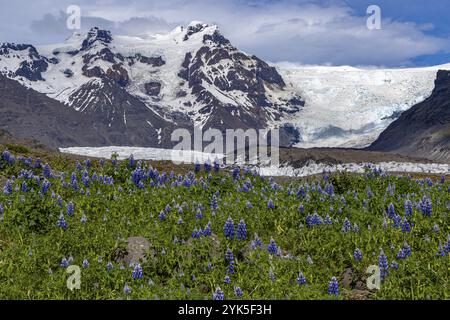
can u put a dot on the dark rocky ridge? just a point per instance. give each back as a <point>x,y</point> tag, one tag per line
<point>30,115</point>
<point>423,130</point>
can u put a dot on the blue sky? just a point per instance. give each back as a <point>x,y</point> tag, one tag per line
<point>319,32</point>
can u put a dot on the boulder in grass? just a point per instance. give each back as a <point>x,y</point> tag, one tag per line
<point>136,251</point>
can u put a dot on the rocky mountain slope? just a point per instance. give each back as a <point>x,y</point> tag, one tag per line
<point>191,76</point>
<point>30,115</point>
<point>423,130</point>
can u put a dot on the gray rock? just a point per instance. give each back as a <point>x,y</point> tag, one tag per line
<point>135,252</point>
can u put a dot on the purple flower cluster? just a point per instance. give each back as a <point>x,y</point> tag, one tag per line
<point>228,229</point>
<point>383,265</point>
<point>333,287</point>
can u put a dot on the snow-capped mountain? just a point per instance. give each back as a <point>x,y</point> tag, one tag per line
<point>190,76</point>
<point>141,88</point>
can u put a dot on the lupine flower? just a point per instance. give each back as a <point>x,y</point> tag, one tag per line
<point>218,294</point>
<point>383,265</point>
<point>131,161</point>
<point>6,155</point>
<point>355,228</point>
<point>126,289</point>
<point>333,287</point>
<point>216,165</point>
<point>385,224</point>
<point>238,292</point>
<point>62,222</point>
<point>242,230</point>
<point>272,275</point>
<point>301,280</point>
<point>45,186</point>
<point>272,247</point>
<point>328,220</point>
<point>227,280</point>
<point>8,188</point>
<point>109,266</point>
<point>207,230</point>
<point>397,221</point>
<point>231,267</point>
<point>207,166</point>
<point>391,210</point>
<point>447,245</point>
<point>24,187</point>
<point>249,205</point>
<point>85,264</point>
<point>162,216</point>
<point>47,171</point>
<point>137,272</point>
<point>229,256</point>
<point>316,219</point>
<point>228,228</point>
<point>199,214</point>
<point>270,204</point>
<point>197,166</point>
<point>406,227</point>
<point>426,206</point>
<point>257,242</point>
<point>408,208</point>
<point>435,228</point>
<point>70,209</point>
<point>83,219</point>
<point>357,255</point>
<point>394,265</point>
<point>236,171</point>
<point>329,189</point>
<point>346,226</point>
<point>406,249</point>
<point>64,263</point>
<point>401,254</point>
<point>196,234</point>
<point>441,251</point>
<point>214,204</point>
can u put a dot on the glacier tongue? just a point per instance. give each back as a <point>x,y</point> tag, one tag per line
<point>350,107</point>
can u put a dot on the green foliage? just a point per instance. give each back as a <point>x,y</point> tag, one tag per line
<point>180,267</point>
<point>17,148</point>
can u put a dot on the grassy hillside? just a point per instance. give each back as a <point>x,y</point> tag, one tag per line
<point>210,228</point>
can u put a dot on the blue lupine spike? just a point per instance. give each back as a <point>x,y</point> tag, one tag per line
<point>228,228</point>
<point>333,287</point>
<point>242,230</point>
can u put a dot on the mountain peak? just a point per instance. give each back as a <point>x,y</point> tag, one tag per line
<point>96,35</point>
<point>197,23</point>
<point>198,27</point>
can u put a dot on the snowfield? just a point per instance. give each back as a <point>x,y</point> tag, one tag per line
<point>286,170</point>
<point>156,154</point>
